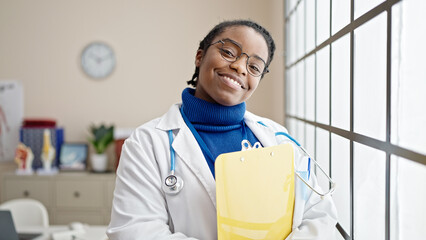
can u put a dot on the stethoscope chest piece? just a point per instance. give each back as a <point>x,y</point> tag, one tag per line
<point>172,184</point>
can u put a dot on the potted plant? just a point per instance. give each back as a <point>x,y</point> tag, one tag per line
<point>102,137</point>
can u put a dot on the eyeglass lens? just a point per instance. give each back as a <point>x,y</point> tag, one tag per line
<point>231,52</point>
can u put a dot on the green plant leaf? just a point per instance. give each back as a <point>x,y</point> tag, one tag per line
<point>102,137</point>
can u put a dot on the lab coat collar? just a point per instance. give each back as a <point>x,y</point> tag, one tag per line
<point>172,119</point>
<point>265,134</point>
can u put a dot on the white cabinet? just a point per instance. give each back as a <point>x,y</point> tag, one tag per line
<point>75,196</point>
<point>25,188</point>
<point>79,193</point>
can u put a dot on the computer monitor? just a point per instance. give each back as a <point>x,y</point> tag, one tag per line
<point>8,231</point>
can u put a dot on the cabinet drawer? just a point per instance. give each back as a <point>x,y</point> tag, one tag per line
<point>79,194</point>
<point>23,188</point>
<point>88,217</point>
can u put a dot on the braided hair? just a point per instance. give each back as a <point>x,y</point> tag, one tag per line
<point>220,28</point>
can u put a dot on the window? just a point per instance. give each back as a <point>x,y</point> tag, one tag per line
<point>355,89</point>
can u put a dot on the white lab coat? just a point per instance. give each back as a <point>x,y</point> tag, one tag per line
<point>141,209</point>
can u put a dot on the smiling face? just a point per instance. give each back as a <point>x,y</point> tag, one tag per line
<point>223,82</point>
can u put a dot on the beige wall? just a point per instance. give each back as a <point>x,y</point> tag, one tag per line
<point>154,41</point>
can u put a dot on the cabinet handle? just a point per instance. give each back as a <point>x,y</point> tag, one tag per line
<point>26,193</point>
<point>76,194</point>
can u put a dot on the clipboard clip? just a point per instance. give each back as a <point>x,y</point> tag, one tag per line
<point>246,145</point>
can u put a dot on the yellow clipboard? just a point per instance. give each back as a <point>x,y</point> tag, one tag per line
<point>255,193</point>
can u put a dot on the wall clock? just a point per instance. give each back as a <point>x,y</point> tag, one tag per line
<point>98,60</point>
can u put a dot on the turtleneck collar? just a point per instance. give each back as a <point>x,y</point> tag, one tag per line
<point>200,111</point>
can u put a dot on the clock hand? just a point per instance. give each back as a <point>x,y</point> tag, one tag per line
<point>93,56</point>
<point>96,58</point>
<point>106,57</point>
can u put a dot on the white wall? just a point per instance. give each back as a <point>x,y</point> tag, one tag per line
<point>155,44</point>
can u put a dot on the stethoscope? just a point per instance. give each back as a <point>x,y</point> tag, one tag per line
<point>174,184</point>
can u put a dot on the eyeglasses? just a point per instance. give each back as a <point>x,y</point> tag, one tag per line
<point>231,52</point>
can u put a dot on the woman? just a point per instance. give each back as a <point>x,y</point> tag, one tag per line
<point>212,119</point>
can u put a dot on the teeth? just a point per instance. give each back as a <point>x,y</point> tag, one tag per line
<point>232,81</point>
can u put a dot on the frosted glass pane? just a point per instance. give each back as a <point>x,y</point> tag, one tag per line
<point>338,236</point>
<point>340,74</point>
<point>300,25</point>
<point>341,14</point>
<point>291,39</point>
<point>291,126</point>
<point>300,133</point>
<point>370,78</point>
<point>323,85</point>
<point>288,47</point>
<point>300,89</point>
<point>363,6</point>
<point>408,194</point>
<point>310,25</point>
<point>310,139</point>
<point>310,88</point>
<point>323,156</point>
<point>323,20</point>
<point>340,172</point>
<point>289,5</point>
<point>369,193</point>
<point>409,75</point>
<point>291,91</point>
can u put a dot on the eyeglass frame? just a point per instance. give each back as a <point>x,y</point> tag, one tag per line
<point>266,70</point>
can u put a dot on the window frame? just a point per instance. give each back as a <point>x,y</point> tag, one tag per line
<point>353,137</point>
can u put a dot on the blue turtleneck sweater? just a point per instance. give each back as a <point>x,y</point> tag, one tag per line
<point>221,128</point>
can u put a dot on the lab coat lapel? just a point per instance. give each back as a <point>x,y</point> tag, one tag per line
<point>187,149</point>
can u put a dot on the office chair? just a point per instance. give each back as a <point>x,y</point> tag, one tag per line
<point>27,212</point>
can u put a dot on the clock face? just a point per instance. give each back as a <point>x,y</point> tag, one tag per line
<point>98,60</point>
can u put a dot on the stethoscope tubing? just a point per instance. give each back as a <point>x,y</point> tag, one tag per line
<point>172,154</point>
<point>333,184</point>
